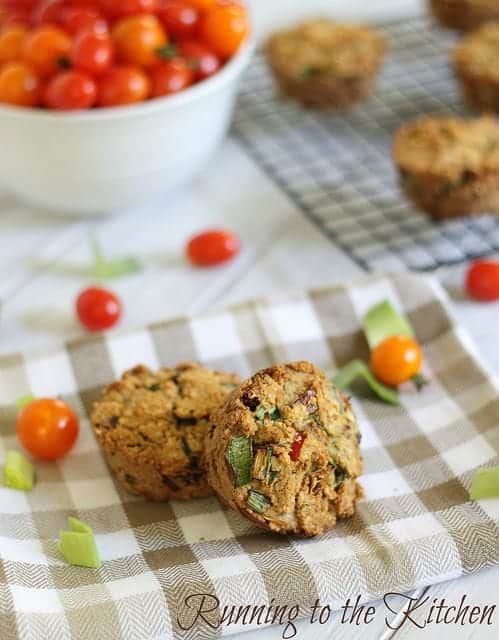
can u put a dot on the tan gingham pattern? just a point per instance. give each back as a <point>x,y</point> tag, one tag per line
<point>415,526</point>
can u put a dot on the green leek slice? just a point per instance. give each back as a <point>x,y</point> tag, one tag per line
<point>383,321</point>
<point>485,484</point>
<point>78,545</point>
<point>107,268</point>
<point>257,502</point>
<point>357,369</point>
<point>240,457</point>
<point>18,472</point>
<point>24,401</point>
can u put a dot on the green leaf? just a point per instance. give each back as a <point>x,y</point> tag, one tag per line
<point>78,545</point>
<point>257,501</point>
<point>383,321</point>
<point>240,457</point>
<point>106,269</point>
<point>357,369</point>
<point>18,472</point>
<point>485,484</point>
<point>24,401</point>
<point>167,52</point>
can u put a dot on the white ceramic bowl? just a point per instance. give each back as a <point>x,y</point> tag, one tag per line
<point>98,161</point>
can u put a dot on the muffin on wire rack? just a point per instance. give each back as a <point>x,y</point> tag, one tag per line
<point>324,64</point>
<point>476,61</point>
<point>464,15</point>
<point>449,167</point>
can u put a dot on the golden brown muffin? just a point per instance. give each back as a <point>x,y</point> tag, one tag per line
<point>151,427</point>
<point>449,167</point>
<point>476,60</point>
<point>464,15</point>
<point>324,64</point>
<point>283,450</point>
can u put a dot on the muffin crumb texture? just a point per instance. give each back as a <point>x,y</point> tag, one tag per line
<point>321,63</point>
<point>450,166</point>
<point>464,15</point>
<point>476,60</point>
<point>283,450</point>
<point>151,428</point>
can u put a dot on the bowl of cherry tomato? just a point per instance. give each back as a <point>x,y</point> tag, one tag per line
<point>107,103</point>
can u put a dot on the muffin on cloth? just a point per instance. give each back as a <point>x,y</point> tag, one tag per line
<point>449,167</point>
<point>151,427</point>
<point>283,450</point>
<point>476,60</point>
<point>321,63</point>
<point>464,15</point>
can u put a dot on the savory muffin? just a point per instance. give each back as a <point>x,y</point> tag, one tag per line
<point>450,166</point>
<point>151,427</point>
<point>321,63</point>
<point>476,61</point>
<point>464,15</point>
<point>283,450</point>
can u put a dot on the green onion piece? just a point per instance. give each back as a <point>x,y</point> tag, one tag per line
<point>485,484</point>
<point>18,472</point>
<point>78,545</point>
<point>258,502</point>
<point>240,457</point>
<point>24,401</point>
<point>106,268</point>
<point>357,369</point>
<point>383,321</point>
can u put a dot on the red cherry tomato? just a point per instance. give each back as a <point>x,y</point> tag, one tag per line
<point>77,18</point>
<point>98,309</point>
<point>482,280</point>
<point>212,247</point>
<point>170,76</point>
<point>47,428</point>
<point>70,90</point>
<point>122,85</point>
<point>204,62</point>
<point>47,12</point>
<point>179,18</point>
<point>92,52</point>
<point>224,29</point>
<point>396,360</point>
<point>121,8</point>
<point>294,454</point>
<point>13,17</point>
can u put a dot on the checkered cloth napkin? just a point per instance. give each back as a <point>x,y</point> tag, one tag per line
<point>415,525</point>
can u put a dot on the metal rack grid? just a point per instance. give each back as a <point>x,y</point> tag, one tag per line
<point>337,167</point>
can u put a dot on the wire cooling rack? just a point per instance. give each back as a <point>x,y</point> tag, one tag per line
<point>337,167</point>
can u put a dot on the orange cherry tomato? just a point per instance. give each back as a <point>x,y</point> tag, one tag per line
<point>47,428</point>
<point>19,85</point>
<point>170,76</point>
<point>70,90</point>
<point>44,48</point>
<point>92,52</point>
<point>482,280</point>
<point>396,360</point>
<point>212,247</point>
<point>122,85</point>
<point>224,28</point>
<point>202,5</point>
<point>138,39</point>
<point>11,43</point>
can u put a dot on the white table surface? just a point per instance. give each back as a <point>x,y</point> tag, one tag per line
<point>43,258</point>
